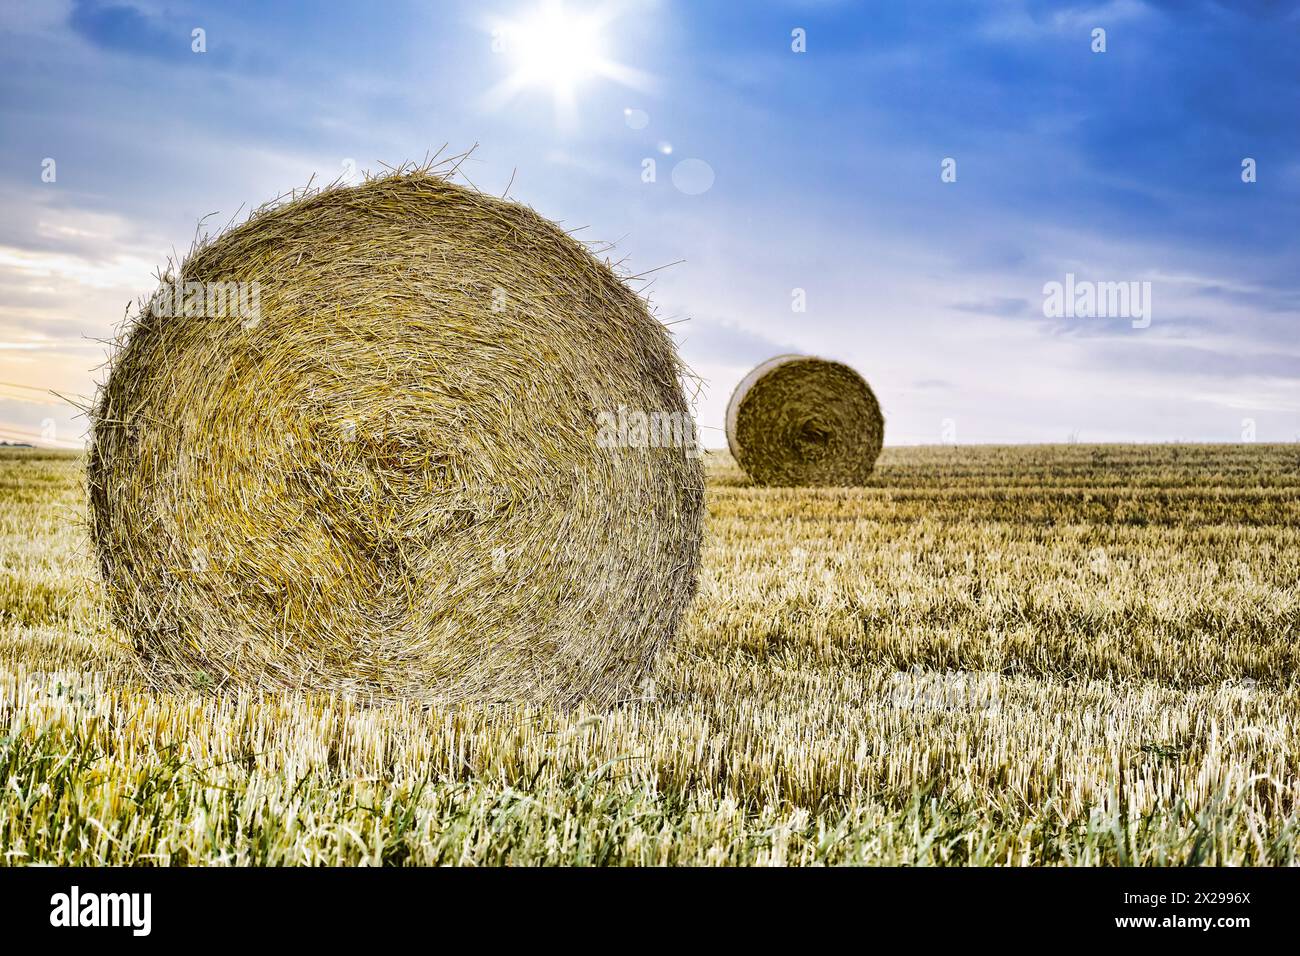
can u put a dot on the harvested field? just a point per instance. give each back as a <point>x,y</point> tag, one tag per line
<point>1035,655</point>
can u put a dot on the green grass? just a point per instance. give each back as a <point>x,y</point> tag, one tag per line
<point>1045,655</point>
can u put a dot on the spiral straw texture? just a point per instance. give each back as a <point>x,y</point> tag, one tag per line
<point>796,420</point>
<point>388,484</point>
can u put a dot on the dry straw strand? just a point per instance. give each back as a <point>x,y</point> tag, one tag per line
<point>798,420</point>
<point>390,484</point>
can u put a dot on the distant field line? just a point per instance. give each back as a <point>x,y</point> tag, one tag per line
<point>10,433</point>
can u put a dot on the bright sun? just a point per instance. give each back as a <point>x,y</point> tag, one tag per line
<point>556,49</point>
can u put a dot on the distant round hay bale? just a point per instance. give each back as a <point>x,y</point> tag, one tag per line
<point>799,420</point>
<point>385,479</point>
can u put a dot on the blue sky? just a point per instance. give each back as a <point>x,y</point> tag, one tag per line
<point>1122,166</point>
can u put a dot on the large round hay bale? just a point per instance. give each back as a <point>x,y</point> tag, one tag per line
<point>798,420</point>
<point>387,481</point>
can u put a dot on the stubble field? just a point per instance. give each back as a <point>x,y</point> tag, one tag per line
<point>1031,655</point>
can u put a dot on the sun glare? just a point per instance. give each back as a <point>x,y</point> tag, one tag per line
<point>556,49</point>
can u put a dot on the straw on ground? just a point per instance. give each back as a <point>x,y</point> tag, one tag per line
<point>993,655</point>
